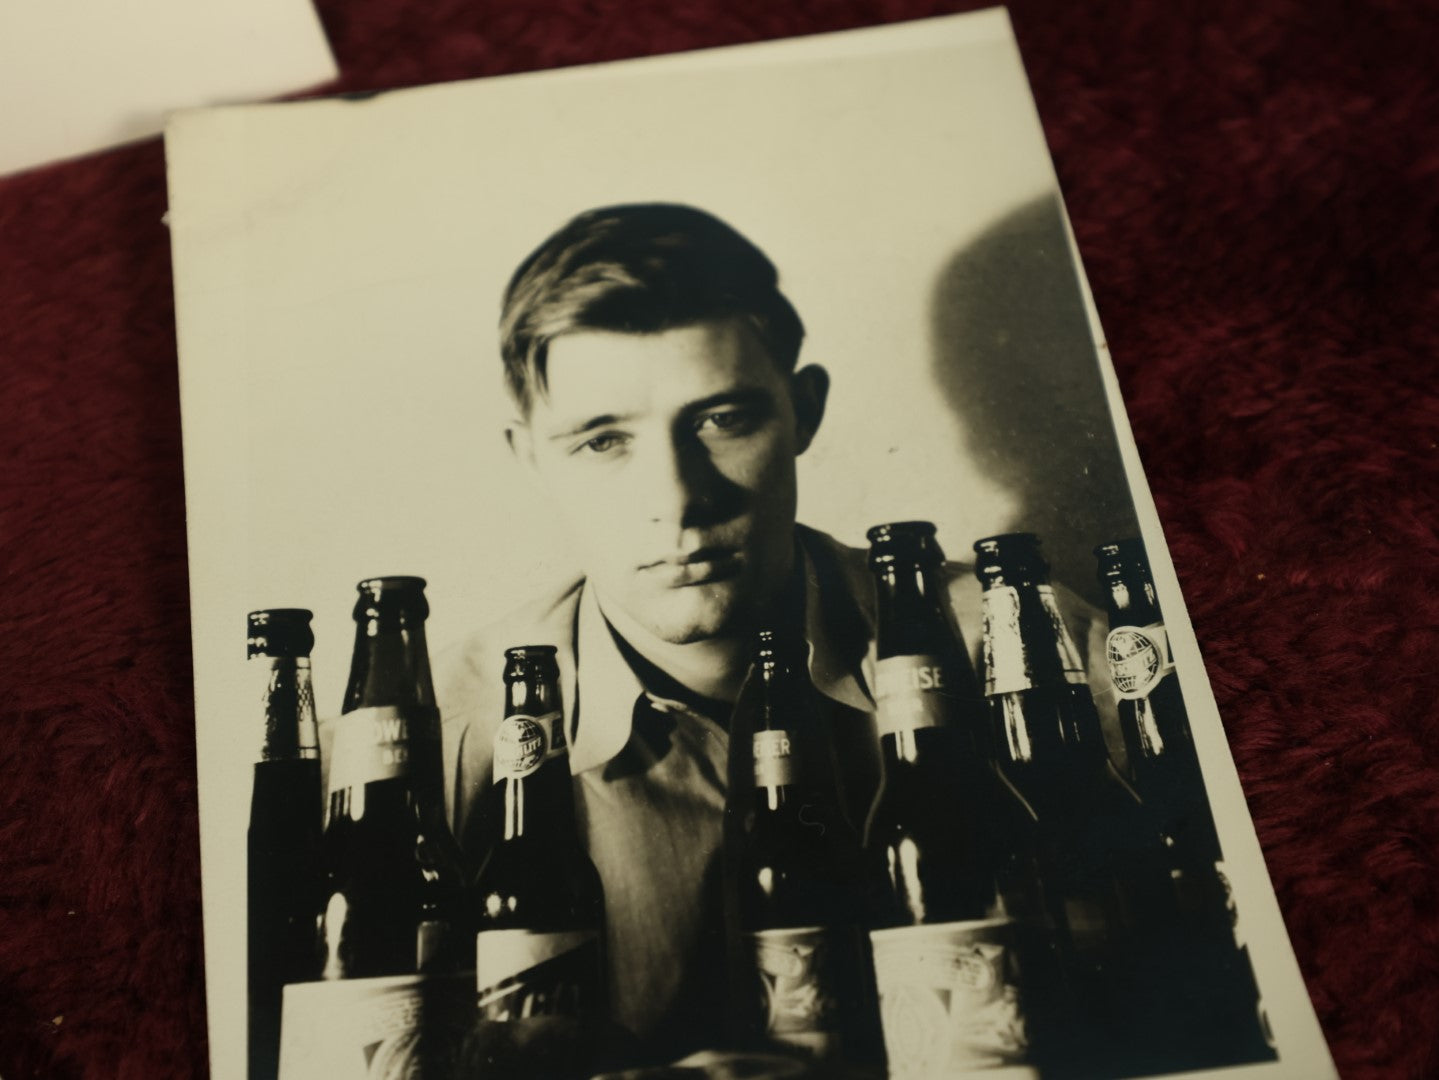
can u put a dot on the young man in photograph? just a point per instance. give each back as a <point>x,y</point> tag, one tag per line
<point>660,409</point>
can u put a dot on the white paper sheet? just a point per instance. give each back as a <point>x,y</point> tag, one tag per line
<point>82,75</point>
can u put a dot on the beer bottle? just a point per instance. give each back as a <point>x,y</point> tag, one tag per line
<point>1105,881</point>
<point>802,888</point>
<point>1227,1023</point>
<point>538,904</point>
<point>284,836</point>
<point>938,825</point>
<point>394,963</point>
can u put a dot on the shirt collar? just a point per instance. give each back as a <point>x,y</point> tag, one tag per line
<point>839,621</point>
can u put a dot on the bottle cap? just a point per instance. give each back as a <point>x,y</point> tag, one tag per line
<point>279,632</point>
<point>400,600</point>
<point>524,661</point>
<point>1009,554</point>
<point>909,541</point>
<point>1121,554</point>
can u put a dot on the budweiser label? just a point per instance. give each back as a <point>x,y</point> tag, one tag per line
<point>910,693</point>
<point>1006,665</point>
<point>1068,654</point>
<point>774,764</point>
<point>392,1028</point>
<point>950,998</point>
<point>521,973</point>
<point>382,743</point>
<point>1138,659</point>
<point>524,743</point>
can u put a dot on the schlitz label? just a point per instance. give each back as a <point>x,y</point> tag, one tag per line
<point>382,743</point>
<point>520,974</point>
<point>910,693</point>
<point>524,743</point>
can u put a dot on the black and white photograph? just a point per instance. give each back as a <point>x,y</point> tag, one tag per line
<point>703,611</point>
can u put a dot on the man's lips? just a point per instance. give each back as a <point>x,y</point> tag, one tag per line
<point>698,567</point>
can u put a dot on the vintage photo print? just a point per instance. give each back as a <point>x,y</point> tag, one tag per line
<point>703,613</point>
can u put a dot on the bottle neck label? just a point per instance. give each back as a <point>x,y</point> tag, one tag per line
<point>385,742</point>
<point>288,701</point>
<point>521,973</point>
<point>910,692</point>
<point>1010,662</point>
<point>774,761</point>
<point>524,743</point>
<point>1139,659</point>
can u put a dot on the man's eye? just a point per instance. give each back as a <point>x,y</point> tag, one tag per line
<point>607,443</point>
<point>730,420</point>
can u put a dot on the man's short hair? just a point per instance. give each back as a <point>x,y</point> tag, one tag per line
<point>639,269</point>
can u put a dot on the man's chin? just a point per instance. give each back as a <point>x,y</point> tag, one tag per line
<point>682,619</point>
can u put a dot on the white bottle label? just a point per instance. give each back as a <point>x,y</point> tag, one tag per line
<point>381,743</point>
<point>909,693</point>
<point>524,743</point>
<point>1138,659</point>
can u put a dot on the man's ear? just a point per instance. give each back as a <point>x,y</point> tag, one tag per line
<point>809,388</point>
<point>521,442</point>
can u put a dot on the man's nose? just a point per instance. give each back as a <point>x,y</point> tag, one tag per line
<point>682,486</point>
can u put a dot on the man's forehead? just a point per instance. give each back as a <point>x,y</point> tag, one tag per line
<point>605,371</point>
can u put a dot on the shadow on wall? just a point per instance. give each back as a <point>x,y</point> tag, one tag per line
<point>1014,358</point>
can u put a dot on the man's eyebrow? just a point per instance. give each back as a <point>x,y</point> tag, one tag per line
<point>603,420</point>
<point>757,396</point>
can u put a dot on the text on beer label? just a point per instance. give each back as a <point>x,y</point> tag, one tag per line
<point>381,743</point>
<point>910,692</point>
<point>522,973</point>
<point>1138,659</point>
<point>774,761</point>
<point>1006,664</point>
<point>524,743</point>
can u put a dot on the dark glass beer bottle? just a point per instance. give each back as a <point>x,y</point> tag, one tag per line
<point>395,881</point>
<point>284,836</point>
<point>1103,867</point>
<point>928,819</point>
<point>538,903</point>
<point>939,825</point>
<point>1226,1020</point>
<point>802,889</point>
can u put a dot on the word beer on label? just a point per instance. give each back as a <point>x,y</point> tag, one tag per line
<point>538,904</point>
<point>284,835</point>
<point>392,997</point>
<point>947,963</point>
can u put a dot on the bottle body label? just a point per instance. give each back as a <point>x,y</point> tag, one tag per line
<point>524,743</point>
<point>1008,666</point>
<point>804,976</point>
<point>949,996</point>
<point>1138,659</point>
<point>774,761</point>
<point>910,693</point>
<point>383,743</point>
<point>376,1029</point>
<point>522,973</point>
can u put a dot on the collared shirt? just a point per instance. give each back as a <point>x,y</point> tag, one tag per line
<point>650,774</point>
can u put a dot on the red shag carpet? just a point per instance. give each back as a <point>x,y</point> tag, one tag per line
<point>1254,187</point>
